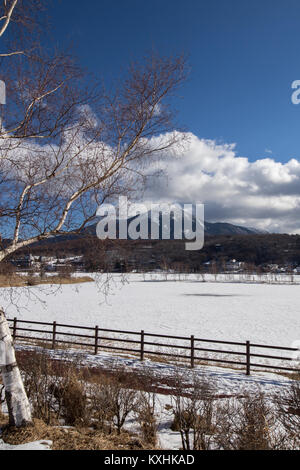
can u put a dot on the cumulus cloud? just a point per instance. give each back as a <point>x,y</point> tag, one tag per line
<point>264,194</point>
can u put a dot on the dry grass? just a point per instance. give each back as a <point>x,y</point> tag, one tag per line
<point>17,280</point>
<point>71,438</point>
<point>12,280</point>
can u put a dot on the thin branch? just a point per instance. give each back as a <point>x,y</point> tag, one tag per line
<point>7,17</point>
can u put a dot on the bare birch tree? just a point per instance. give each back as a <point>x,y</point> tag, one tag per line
<point>65,148</point>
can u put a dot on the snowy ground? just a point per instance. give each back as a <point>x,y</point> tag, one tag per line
<point>227,381</point>
<point>233,308</point>
<point>37,445</point>
<point>228,310</point>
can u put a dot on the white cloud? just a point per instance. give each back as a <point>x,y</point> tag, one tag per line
<point>264,193</point>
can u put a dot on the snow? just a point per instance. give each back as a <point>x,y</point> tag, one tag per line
<point>234,308</point>
<point>37,445</point>
<point>234,311</point>
<point>227,381</point>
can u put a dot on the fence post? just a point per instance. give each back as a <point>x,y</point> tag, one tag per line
<point>192,351</point>
<point>54,335</point>
<point>96,339</point>
<point>142,344</point>
<point>248,357</point>
<point>14,329</point>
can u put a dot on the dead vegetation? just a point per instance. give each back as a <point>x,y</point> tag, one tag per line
<point>77,408</point>
<point>18,280</point>
<point>81,438</point>
<point>249,422</point>
<point>93,407</point>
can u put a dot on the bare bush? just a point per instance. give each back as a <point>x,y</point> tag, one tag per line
<point>40,383</point>
<point>100,404</point>
<point>193,412</point>
<point>55,389</point>
<point>113,401</point>
<point>288,412</point>
<point>145,412</point>
<point>247,424</point>
<point>72,398</point>
<point>146,417</point>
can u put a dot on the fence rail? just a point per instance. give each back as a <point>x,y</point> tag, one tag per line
<point>191,347</point>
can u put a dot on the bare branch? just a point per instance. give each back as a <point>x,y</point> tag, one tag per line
<point>95,145</point>
<point>7,17</point>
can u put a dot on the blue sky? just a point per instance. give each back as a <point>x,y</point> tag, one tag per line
<point>243,55</point>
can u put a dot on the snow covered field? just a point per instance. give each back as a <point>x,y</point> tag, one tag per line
<point>229,309</point>
<point>238,311</point>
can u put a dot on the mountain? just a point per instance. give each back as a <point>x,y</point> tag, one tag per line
<point>210,228</point>
<point>223,228</point>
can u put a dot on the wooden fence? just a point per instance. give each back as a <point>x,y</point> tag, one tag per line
<point>150,344</point>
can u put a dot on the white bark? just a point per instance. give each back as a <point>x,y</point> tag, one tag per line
<point>16,398</point>
<point>7,18</point>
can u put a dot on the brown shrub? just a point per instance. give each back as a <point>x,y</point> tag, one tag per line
<point>193,413</point>
<point>288,411</point>
<point>71,396</point>
<point>146,417</point>
<point>247,424</point>
<point>112,401</point>
<point>54,388</point>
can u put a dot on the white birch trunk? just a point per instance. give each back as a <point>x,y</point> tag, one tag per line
<point>15,395</point>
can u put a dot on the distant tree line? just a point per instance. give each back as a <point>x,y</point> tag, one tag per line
<point>256,251</point>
